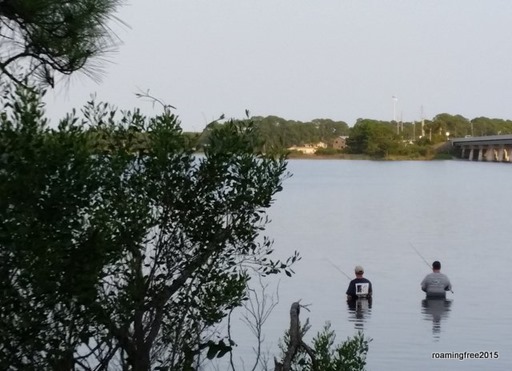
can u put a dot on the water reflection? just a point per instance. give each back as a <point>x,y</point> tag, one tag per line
<point>359,311</point>
<point>435,310</point>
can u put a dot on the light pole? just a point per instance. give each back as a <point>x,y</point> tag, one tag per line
<point>395,99</point>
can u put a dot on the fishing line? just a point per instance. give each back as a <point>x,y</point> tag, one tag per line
<point>421,256</point>
<point>338,269</point>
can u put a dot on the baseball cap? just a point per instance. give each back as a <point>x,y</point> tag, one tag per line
<point>359,269</point>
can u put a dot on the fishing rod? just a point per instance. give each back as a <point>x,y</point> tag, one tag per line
<point>339,270</point>
<point>421,256</point>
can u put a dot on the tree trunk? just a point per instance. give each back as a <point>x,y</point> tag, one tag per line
<point>295,342</point>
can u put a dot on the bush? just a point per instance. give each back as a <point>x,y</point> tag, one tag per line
<point>350,355</point>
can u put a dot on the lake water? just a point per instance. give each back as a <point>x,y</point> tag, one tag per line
<point>339,214</point>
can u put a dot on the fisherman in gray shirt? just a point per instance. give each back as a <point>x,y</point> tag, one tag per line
<point>436,283</point>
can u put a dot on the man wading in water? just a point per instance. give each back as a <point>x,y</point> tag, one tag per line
<point>436,284</point>
<point>359,287</point>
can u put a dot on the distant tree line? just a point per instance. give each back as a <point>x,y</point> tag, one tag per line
<point>276,133</point>
<point>383,139</point>
<point>445,125</point>
<point>374,138</point>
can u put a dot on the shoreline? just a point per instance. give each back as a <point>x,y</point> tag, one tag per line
<point>351,157</point>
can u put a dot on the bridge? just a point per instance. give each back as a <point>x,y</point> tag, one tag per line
<point>492,148</point>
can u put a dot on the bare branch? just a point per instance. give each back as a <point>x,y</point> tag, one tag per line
<point>151,98</point>
<point>295,341</point>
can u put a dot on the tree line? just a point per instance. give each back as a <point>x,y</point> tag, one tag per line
<point>374,138</point>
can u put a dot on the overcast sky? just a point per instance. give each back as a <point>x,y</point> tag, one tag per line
<point>305,59</point>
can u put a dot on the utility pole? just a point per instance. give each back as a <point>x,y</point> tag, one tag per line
<point>422,123</point>
<point>395,99</point>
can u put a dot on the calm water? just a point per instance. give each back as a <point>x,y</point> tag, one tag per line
<point>342,213</point>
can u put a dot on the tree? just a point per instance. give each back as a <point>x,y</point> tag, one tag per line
<point>44,37</point>
<point>456,125</point>
<point>330,130</point>
<point>371,138</point>
<point>490,126</point>
<point>121,257</point>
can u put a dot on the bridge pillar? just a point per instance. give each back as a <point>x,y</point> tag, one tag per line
<point>488,153</point>
<point>493,155</point>
<point>471,154</point>
<point>507,154</point>
<point>500,154</point>
<point>480,153</point>
<point>476,153</point>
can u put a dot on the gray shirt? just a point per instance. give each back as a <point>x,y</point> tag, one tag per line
<point>436,284</point>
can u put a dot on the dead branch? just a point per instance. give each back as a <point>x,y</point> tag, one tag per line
<point>295,342</point>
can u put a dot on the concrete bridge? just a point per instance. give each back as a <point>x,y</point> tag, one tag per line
<point>492,148</point>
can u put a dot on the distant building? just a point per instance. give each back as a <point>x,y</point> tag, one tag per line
<point>308,149</point>
<point>340,142</point>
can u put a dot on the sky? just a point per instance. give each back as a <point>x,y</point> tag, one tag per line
<point>305,59</point>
